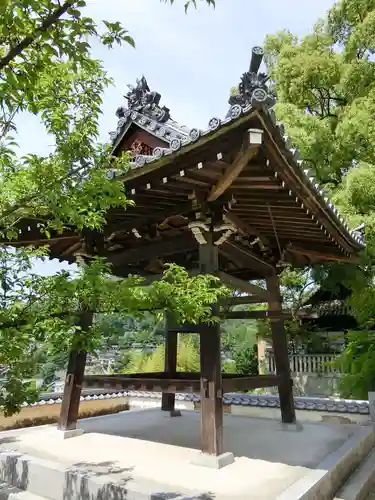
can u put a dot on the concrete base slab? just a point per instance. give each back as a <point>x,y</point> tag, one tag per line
<point>152,455</point>
<point>61,434</point>
<point>214,461</point>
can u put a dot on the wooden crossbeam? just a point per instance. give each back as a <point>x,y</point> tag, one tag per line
<point>255,315</point>
<point>159,384</point>
<point>158,217</point>
<point>183,243</point>
<point>242,285</point>
<point>237,384</point>
<point>246,299</point>
<point>43,240</point>
<point>181,382</point>
<point>249,150</point>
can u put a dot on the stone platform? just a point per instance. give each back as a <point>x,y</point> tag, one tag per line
<point>150,455</point>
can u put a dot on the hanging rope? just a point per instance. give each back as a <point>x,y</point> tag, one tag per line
<point>275,232</point>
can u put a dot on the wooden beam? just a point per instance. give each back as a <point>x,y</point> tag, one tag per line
<point>235,301</point>
<point>243,286</point>
<point>42,241</point>
<point>146,382</point>
<point>157,217</point>
<point>232,172</point>
<point>170,366</point>
<point>185,328</point>
<point>246,228</point>
<point>74,381</point>
<point>280,348</point>
<point>182,382</point>
<point>237,384</point>
<point>72,249</point>
<point>255,315</point>
<point>247,258</point>
<point>162,248</point>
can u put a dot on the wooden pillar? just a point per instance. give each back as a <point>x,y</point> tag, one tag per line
<point>280,349</point>
<point>170,367</point>
<point>73,382</point>
<point>210,360</point>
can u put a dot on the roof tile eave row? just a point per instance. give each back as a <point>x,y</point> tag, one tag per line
<point>187,137</point>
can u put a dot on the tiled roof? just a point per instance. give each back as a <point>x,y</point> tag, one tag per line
<point>253,96</point>
<point>236,112</point>
<point>256,400</point>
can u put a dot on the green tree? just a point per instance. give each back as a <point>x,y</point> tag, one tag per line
<point>246,360</point>
<point>325,83</point>
<point>42,311</point>
<point>46,69</point>
<point>187,358</point>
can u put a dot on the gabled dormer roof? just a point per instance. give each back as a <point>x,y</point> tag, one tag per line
<point>145,112</point>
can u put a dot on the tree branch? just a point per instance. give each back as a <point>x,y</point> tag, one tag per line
<point>28,40</point>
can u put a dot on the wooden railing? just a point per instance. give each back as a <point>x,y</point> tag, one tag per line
<point>306,363</point>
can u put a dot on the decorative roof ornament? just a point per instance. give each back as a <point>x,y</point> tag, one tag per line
<point>142,100</point>
<point>359,232</point>
<point>252,89</point>
<point>144,110</point>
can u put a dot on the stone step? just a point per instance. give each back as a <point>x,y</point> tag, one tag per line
<point>361,484</point>
<point>8,492</point>
<point>335,470</point>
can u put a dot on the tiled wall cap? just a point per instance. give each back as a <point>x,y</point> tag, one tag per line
<point>256,400</point>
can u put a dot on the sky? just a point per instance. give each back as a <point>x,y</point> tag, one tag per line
<point>191,59</point>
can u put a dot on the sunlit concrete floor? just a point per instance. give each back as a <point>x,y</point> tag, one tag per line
<point>160,449</point>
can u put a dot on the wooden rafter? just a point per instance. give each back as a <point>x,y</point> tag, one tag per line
<point>231,173</point>
<point>314,254</point>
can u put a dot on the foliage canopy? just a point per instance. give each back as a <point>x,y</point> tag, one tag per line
<point>47,69</point>
<point>325,83</point>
